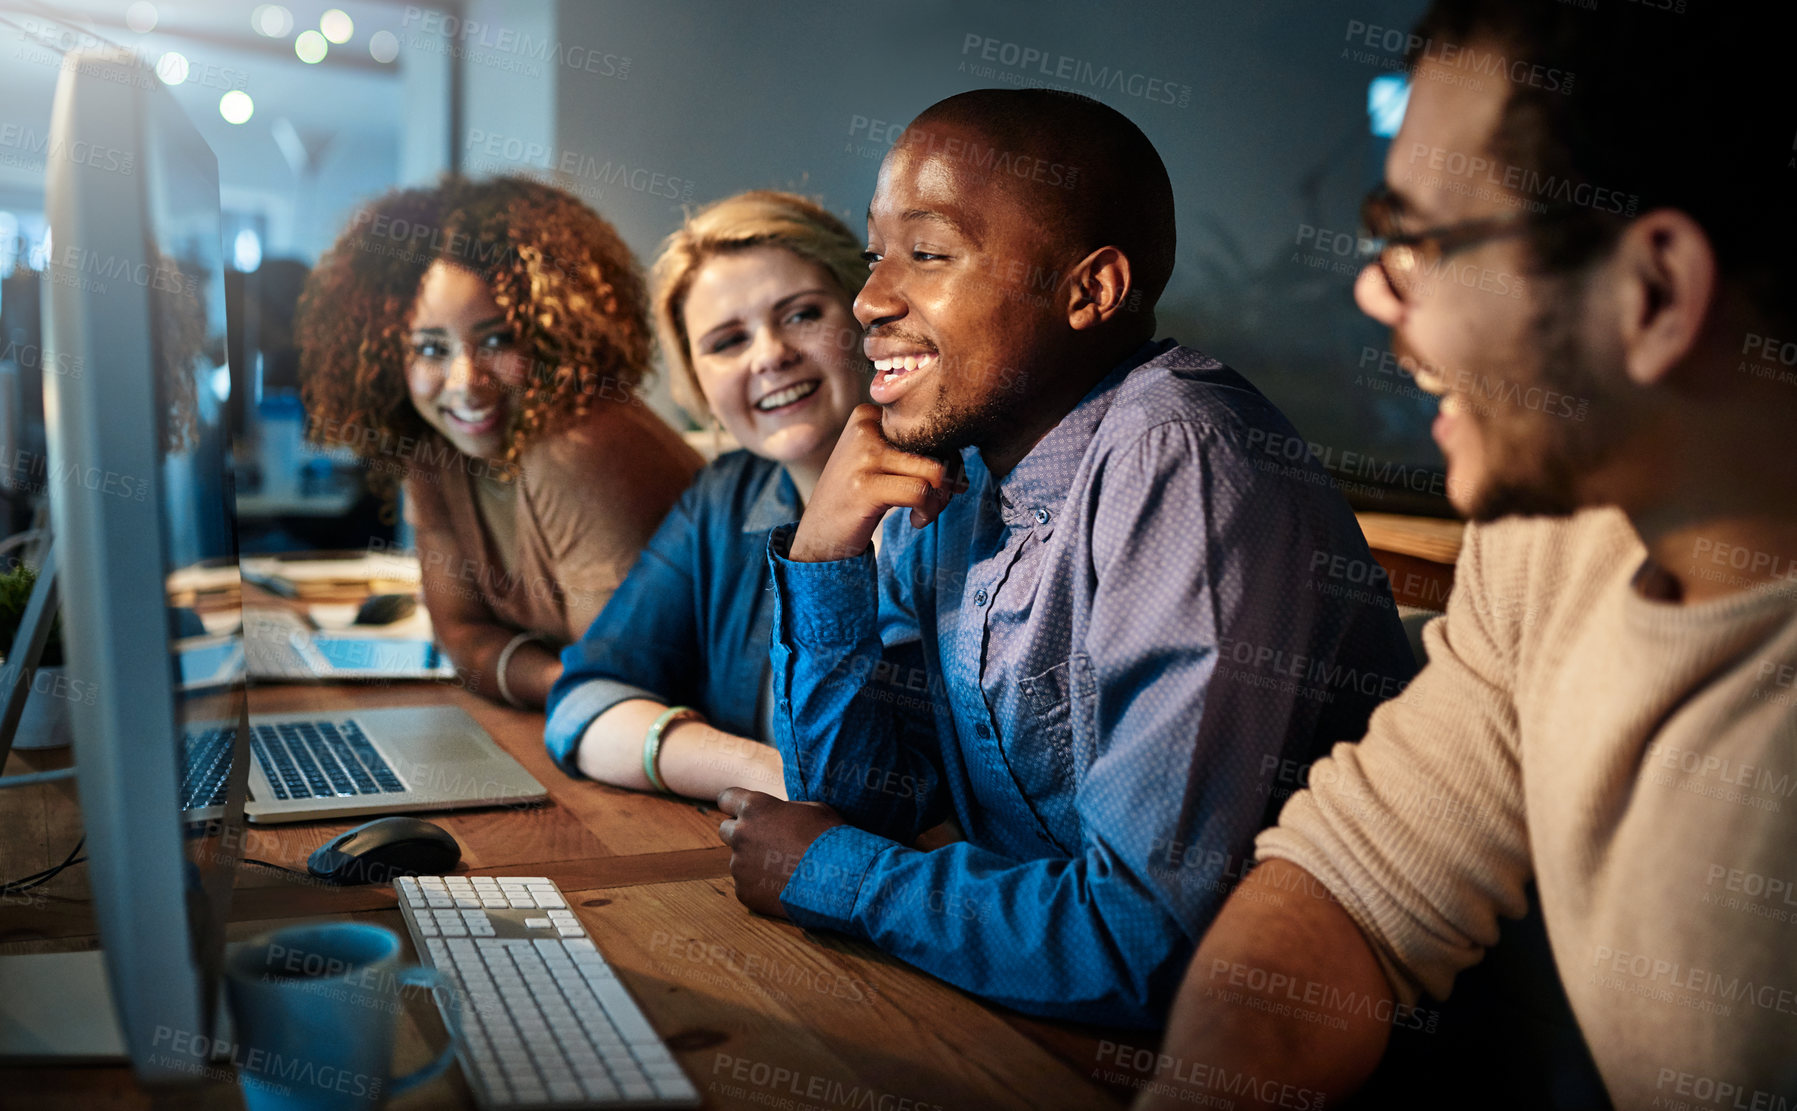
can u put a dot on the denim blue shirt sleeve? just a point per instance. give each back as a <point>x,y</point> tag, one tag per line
<point>877,765</point>
<point>1084,621</point>
<point>688,624</point>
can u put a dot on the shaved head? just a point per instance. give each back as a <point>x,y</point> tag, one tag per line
<point>1085,174</point>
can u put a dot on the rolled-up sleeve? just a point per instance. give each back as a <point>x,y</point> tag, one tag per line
<point>1419,829</point>
<point>643,644</point>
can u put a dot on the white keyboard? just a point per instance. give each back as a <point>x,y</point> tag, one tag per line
<point>543,1021</point>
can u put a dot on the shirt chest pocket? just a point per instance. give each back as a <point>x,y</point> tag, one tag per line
<point>1057,707</point>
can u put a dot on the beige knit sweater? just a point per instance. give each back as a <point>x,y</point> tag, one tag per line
<point>1638,759</point>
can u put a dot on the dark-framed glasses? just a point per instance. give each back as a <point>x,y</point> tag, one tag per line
<point>1408,259</point>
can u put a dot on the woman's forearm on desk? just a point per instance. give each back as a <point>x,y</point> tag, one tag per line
<point>475,648</point>
<point>696,760</point>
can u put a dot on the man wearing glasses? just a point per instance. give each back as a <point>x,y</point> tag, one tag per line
<point>1609,710</point>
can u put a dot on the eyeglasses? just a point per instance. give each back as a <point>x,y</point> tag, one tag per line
<point>1406,258</point>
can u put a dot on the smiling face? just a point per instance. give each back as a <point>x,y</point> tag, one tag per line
<point>464,368</point>
<point>1526,412</point>
<point>954,346</point>
<point>774,348</point>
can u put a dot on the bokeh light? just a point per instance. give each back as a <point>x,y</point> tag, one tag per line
<point>337,25</point>
<point>172,68</point>
<point>271,21</point>
<point>141,17</point>
<point>236,106</point>
<point>311,47</point>
<point>384,46</point>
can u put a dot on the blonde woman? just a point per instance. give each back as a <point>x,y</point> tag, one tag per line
<point>668,689</point>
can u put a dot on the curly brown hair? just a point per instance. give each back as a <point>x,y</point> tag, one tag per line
<point>570,289</point>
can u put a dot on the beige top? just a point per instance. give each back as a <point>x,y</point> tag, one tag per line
<point>1638,759</point>
<point>587,502</point>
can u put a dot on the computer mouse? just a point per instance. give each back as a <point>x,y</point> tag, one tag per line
<point>185,622</point>
<point>384,848</point>
<point>385,609</point>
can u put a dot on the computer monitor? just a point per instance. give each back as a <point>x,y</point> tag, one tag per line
<point>140,497</point>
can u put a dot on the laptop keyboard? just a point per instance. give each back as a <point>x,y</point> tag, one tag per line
<point>302,760</point>
<point>208,768</point>
<point>320,759</point>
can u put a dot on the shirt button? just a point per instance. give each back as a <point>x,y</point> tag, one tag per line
<point>1041,516</point>
<point>982,731</point>
<point>979,596</point>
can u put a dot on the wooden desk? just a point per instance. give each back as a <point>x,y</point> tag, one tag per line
<point>1418,555</point>
<point>741,999</point>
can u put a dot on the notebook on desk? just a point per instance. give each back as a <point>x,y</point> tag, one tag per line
<point>311,766</point>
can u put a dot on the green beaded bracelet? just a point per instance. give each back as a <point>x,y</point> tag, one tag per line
<point>652,743</point>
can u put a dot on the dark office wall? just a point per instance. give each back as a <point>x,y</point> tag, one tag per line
<point>1259,111</point>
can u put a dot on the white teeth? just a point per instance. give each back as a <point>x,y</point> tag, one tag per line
<point>787,396</point>
<point>471,416</point>
<point>902,364</point>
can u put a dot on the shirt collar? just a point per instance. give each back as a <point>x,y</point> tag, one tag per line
<point>777,503</point>
<point>1037,486</point>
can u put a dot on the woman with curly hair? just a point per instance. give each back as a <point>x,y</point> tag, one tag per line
<point>669,689</point>
<point>483,342</point>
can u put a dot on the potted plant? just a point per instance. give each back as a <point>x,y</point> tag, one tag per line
<point>45,722</point>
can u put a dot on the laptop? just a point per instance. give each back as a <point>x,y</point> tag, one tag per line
<point>363,762</point>
<point>280,646</point>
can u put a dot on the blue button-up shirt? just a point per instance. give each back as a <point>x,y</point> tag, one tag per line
<point>690,623</point>
<point>1080,661</point>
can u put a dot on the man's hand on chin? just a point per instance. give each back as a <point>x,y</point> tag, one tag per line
<point>767,838</point>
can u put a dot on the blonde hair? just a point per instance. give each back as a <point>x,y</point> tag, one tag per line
<point>759,218</point>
